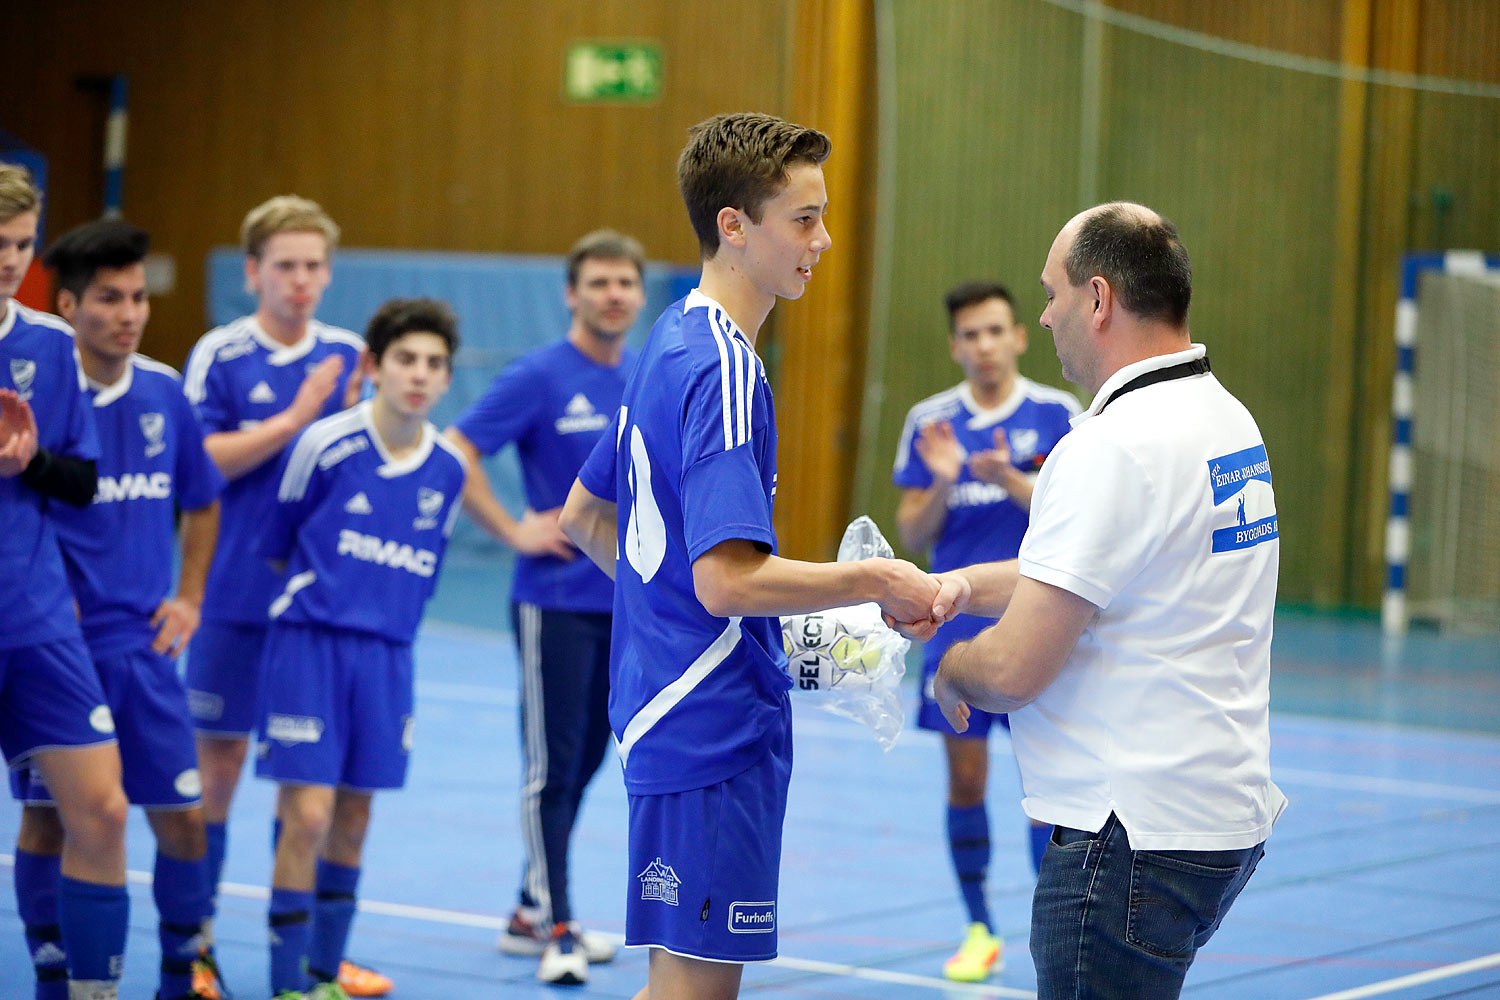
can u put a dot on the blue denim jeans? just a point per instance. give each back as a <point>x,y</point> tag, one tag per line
<point>1108,922</point>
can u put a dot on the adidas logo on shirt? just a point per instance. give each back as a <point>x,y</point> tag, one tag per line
<point>262,393</point>
<point>580,417</point>
<point>359,504</point>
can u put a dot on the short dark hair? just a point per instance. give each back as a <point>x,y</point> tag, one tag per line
<point>971,293</point>
<point>398,317</point>
<point>740,161</point>
<point>79,253</point>
<point>605,244</point>
<point>1142,257</point>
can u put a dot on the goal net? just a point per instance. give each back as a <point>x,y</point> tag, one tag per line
<point>1454,566</point>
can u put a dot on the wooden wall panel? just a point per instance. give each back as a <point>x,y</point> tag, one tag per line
<point>435,125</point>
<point>1296,194</point>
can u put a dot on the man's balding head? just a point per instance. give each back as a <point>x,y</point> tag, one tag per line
<point>1138,252</point>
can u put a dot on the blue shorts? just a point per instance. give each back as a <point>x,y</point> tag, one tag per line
<point>50,698</point>
<point>704,864</point>
<point>223,678</point>
<point>336,708</point>
<point>158,759</point>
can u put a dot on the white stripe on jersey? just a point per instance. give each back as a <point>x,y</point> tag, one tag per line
<point>463,462</point>
<point>195,380</point>
<point>152,365</point>
<point>713,324</point>
<point>313,442</point>
<point>930,409</point>
<point>668,697</point>
<point>293,584</point>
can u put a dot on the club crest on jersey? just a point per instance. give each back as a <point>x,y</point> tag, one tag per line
<point>23,374</point>
<point>659,881</point>
<point>154,427</point>
<point>262,393</point>
<point>429,505</point>
<point>1023,443</point>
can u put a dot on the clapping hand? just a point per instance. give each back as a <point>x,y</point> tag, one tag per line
<point>940,451</point>
<point>18,437</point>
<point>992,466</point>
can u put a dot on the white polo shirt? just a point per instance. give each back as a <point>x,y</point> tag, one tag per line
<point>1158,509</point>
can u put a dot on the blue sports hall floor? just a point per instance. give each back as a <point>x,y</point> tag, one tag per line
<point>1381,880</point>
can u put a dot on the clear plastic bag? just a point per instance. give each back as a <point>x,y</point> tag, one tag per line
<point>847,659</point>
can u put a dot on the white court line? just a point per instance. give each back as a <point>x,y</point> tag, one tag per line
<point>1387,786</point>
<point>459,918</point>
<point>1415,979</point>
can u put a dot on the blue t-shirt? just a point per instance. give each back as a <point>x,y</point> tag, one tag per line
<point>554,404</point>
<point>39,361</point>
<point>983,524</point>
<point>362,534</point>
<point>690,463</point>
<point>118,550</point>
<point>236,377</point>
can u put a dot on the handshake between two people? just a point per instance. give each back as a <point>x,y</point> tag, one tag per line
<point>916,603</point>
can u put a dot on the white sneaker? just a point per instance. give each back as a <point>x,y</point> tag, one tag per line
<point>563,961</point>
<point>526,935</point>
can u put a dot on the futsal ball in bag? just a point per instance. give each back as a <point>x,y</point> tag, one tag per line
<point>821,652</point>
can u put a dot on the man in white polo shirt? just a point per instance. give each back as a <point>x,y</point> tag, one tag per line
<point>1133,651</point>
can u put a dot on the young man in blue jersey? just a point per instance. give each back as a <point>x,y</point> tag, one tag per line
<point>682,487</point>
<point>554,404</point>
<point>966,463</point>
<point>53,715</point>
<point>256,384</point>
<point>366,501</point>
<point>118,555</point>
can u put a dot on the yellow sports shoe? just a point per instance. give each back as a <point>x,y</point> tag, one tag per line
<point>977,958</point>
<point>359,981</point>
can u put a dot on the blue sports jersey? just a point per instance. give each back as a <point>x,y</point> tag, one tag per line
<point>554,404</point>
<point>362,534</point>
<point>39,361</point>
<point>236,377</point>
<point>983,524</point>
<point>690,462</point>
<point>118,550</point>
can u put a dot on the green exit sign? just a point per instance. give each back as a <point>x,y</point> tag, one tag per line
<point>612,71</point>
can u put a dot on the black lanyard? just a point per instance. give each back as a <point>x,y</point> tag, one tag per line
<point>1198,366</point>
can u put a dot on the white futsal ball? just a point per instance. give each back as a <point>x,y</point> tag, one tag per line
<point>821,652</point>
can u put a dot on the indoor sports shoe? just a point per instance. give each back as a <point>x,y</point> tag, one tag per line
<point>976,958</point>
<point>563,961</point>
<point>332,991</point>
<point>526,935</point>
<point>208,982</point>
<point>358,981</point>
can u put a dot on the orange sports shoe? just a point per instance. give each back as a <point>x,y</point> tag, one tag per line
<point>359,981</point>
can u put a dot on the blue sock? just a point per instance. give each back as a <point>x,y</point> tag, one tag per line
<point>275,835</point>
<point>332,914</point>
<point>218,838</point>
<point>288,919</point>
<point>94,919</point>
<point>1040,835</point>
<point>969,842</point>
<point>36,877</point>
<point>181,892</point>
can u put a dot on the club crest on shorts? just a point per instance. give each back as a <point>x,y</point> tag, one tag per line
<point>659,881</point>
<point>429,503</point>
<point>154,427</point>
<point>23,374</point>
